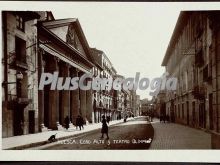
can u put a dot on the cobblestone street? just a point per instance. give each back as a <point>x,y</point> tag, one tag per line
<point>175,136</point>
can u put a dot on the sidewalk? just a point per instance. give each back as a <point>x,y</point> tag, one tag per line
<point>176,136</point>
<point>37,139</point>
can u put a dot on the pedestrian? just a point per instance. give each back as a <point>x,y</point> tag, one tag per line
<point>78,122</point>
<point>104,129</point>
<point>81,122</point>
<point>67,121</point>
<point>164,118</point>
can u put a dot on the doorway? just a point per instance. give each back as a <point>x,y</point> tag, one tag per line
<point>202,115</point>
<point>18,119</point>
<point>31,117</point>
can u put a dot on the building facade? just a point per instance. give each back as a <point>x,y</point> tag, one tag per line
<point>63,48</point>
<point>144,107</point>
<point>192,57</point>
<point>104,100</point>
<point>19,86</point>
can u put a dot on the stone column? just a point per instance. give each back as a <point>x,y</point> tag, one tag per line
<point>89,107</point>
<point>53,98</point>
<point>74,102</point>
<point>82,101</point>
<point>65,94</point>
<point>41,65</point>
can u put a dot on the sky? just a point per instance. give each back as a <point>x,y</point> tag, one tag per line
<point>133,36</point>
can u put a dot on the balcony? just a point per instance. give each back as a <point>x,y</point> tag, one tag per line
<point>13,101</point>
<point>23,101</point>
<point>21,64</point>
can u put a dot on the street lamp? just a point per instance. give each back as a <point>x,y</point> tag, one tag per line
<point>19,76</point>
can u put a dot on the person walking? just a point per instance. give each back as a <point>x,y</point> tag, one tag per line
<point>164,118</point>
<point>104,129</point>
<point>152,116</point>
<point>66,121</point>
<point>81,122</point>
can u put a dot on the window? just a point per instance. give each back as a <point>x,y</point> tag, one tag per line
<point>20,49</point>
<point>20,23</point>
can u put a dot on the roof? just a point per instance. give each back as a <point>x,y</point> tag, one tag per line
<point>103,54</point>
<point>94,53</point>
<point>113,69</point>
<point>119,76</point>
<point>58,23</point>
<point>64,22</point>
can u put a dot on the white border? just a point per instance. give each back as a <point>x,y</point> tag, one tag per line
<point>112,155</point>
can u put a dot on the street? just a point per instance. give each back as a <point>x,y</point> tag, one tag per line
<point>176,136</point>
<point>134,134</point>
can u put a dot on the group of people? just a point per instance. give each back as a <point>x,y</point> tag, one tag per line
<point>164,118</point>
<point>79,122</point>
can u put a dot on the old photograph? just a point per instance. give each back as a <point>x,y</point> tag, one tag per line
<point>115,77</point>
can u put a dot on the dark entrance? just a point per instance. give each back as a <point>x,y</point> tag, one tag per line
<point>31,117</point>
<point>18,119</point>
<point>210,112</point>
<point>202,115</point>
